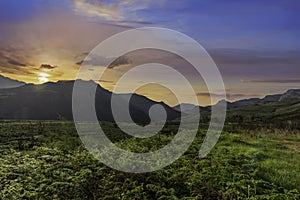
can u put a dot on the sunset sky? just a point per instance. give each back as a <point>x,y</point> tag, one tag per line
<point>255,44</point>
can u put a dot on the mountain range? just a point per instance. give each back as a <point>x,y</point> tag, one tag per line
<point>52,101</point>
<point>272,108</point>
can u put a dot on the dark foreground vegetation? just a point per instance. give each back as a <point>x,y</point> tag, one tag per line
<point>46,160</point>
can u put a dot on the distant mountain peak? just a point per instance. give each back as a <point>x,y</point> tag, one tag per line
<point>184,107</point>
<point>6,82</point>
<point>290,94</point>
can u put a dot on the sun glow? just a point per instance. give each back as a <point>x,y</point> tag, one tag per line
<point>43,77</point>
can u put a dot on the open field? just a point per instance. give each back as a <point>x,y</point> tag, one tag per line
<point>46,160</point>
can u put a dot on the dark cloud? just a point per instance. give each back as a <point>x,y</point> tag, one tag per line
<point>94,60</point>
<point>16,70</point>
<point>13,65</point>
<point>6,58</point>
<point>254,57</point>
<point>105,81</point>
<point>123,60</point>
<point>14,62</point>
<point>256,63</point>
<point>47,66</point>
<point>79,62</point>
<point>228,95</point>
<point>272,80</point>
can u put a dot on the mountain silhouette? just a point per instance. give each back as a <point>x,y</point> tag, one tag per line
<point>52,101</point>
<point>276,108</point>
<point>6,82</point>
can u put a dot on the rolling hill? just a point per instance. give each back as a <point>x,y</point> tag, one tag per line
<point>276,107</point>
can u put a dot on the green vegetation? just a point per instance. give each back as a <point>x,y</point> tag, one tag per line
<point>46,160</point>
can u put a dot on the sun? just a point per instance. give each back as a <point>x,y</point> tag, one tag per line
<point>43,77</point>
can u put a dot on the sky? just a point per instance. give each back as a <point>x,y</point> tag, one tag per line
<point>255,44</point>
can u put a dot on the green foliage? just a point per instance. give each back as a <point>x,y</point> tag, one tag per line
<point>46,160</point>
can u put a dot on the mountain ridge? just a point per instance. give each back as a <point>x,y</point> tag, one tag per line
<point>6,82</point>
<point>53,100</point>
<point>289,94</point>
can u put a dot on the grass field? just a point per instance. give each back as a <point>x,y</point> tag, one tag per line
<point>46,160</point>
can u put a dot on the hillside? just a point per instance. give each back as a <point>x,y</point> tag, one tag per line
<point>51,101</point>
<point>279,108</point>
<point>6,82</point>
